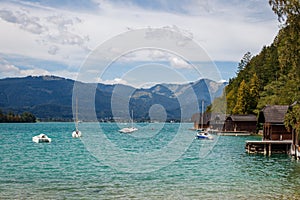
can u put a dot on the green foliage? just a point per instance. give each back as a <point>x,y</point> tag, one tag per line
<point>241,106</point>
<point>272,76</point>
<point>28,117</point>
<point>25,117</point>
<point>253,94</point>
<point>292,119</point>
<point>245,61</point>
<point>286,10</point>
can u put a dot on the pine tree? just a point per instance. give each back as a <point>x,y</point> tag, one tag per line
<point>241,106</point>
<point>292,119</point>
<point>230,100</point>
<point>245,61</point>
<point>253,93</point>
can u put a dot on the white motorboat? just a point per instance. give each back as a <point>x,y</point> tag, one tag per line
<point>204,135</point>
<point>41,138</point>
<point>129,129</point>
<point>76,133</point>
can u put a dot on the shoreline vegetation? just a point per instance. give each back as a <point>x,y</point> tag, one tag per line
<point>27,117</point>
<point>10,117</point>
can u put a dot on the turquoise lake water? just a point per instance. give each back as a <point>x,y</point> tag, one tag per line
<point>159,161</point>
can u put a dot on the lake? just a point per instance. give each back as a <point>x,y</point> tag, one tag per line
<point>159,161</point>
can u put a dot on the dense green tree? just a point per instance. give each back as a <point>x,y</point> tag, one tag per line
<point>253,93</point>
<point>241,106</point>
<point>28,117</point>
<point>15,118</point>
<point>286,10</point>
<point>2,116</point>
<point>245,61</point>
<point>292,119</point>
<point>230,100</point>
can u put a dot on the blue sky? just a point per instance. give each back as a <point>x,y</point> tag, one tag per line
<point>56,37</point>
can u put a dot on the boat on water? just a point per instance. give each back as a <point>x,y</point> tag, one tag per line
<point>129,129</point>
<point>204,135</point>
<point>77,132</point>
<point>41,138</point>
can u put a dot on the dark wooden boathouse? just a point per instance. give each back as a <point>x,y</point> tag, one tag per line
<point>272,118</point>
<point>276,138</point>
<point>240,123</point>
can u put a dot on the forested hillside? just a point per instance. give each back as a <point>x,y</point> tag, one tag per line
<point>272,76</point>
<point>50,98</point>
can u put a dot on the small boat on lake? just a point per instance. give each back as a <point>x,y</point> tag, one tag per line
<point>76,133</point>
<point>41,138</point>
<point>129,129</point>
<point>204,135</point>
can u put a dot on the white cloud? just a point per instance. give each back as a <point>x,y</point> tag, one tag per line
<point>179,63</point>
<point>22,19</point>
<point>112,82</point>
<point>53,50</point>
<point>43,31</point>
<point>225,29</point>
<point>10,70</point>
<point>158,55</point>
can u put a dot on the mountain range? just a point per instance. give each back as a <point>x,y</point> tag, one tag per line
<point>50,98</point>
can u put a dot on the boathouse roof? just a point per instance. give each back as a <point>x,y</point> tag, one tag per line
<point>242,118</point>
<point>273,114</point>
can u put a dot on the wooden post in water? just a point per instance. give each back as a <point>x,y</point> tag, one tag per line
<point>270,149</point>
<point>265,149</point>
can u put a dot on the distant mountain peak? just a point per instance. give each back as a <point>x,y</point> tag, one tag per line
<point>52,78</point>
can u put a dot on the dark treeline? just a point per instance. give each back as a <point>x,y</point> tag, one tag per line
<point>11,117</point>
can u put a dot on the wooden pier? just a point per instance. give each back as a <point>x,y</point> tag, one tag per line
<point>235,133</point>
<point>268,147</point>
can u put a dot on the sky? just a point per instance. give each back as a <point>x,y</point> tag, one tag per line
<point>58,37</point>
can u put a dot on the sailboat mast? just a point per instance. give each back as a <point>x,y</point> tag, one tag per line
<point>76,114</point>
<point>131,118</point>
<point>202,114</point>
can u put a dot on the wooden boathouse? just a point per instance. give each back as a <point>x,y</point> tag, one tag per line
<point>276,138</point>
<point>240,123</point>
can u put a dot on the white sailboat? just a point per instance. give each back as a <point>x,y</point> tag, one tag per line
<point>203,134</point>
<point>77,132</point>
<point>129,129</point>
